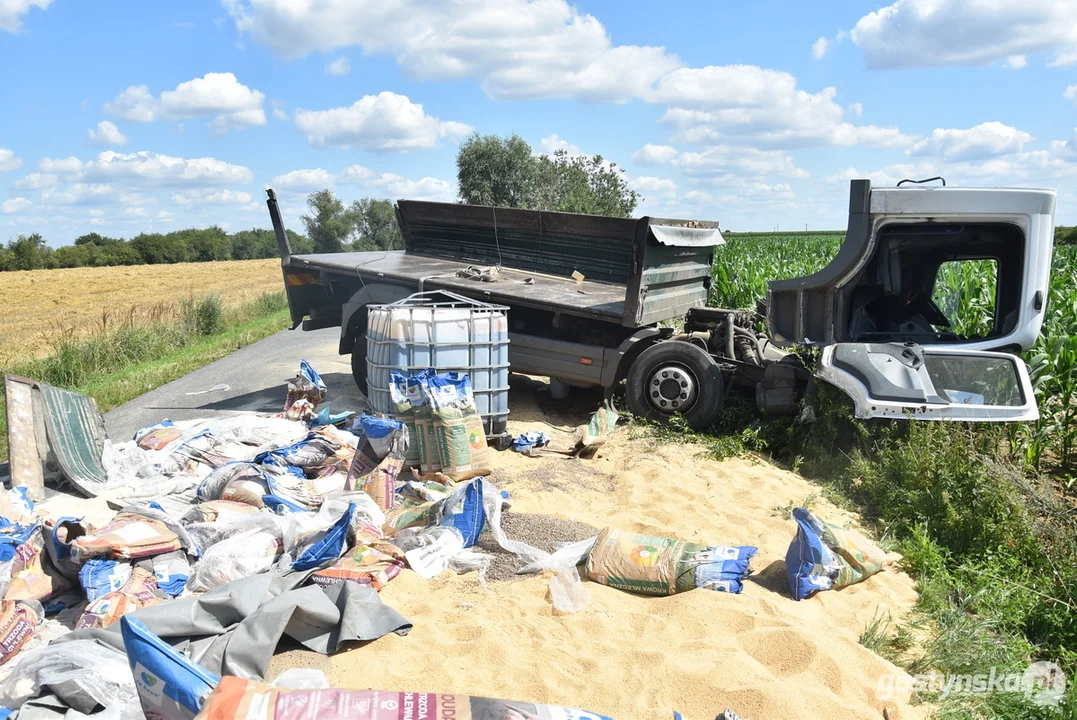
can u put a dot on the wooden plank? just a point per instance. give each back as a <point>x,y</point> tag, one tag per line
<point>23,452</point>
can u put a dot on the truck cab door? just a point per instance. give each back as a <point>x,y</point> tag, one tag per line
<point>928,301</point>
<point>907,380</point>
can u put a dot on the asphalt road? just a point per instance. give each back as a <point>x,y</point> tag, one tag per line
<point>256,377</point>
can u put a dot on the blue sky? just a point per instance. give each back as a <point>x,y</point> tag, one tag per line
<point>122,117</point>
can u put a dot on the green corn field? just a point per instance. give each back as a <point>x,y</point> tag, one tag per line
<point>965,293</point>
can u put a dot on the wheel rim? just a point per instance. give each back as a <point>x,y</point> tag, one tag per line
<point>672,388</point>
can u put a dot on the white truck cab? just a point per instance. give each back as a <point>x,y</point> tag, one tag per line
<point>930,298</point>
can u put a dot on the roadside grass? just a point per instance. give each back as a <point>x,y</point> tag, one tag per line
<point>122,360</point>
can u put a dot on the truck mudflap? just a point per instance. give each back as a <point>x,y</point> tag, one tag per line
<point>905,380</point>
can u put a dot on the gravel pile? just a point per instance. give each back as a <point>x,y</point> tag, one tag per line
<point>542,531</point>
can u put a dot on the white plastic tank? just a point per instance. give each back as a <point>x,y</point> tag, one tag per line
<point>444,331</point>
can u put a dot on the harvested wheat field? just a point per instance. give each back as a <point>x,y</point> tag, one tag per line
<point>631,657</point>
<point>38,304</point>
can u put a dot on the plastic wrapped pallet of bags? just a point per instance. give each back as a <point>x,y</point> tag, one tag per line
<point>826,557</point>
<point>237,699</point>
<point>458,427</point>
<point>378,459</point>
<point>663,566</point>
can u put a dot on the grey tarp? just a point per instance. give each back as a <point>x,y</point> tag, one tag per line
<point>234,629</point>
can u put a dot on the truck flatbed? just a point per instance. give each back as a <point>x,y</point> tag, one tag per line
<point>511,286</point>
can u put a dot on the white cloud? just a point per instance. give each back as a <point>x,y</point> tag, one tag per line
<point>303,180</point>
<point>340,66</point>
<point>165,216</point>
<point>654,186</point>
<point>397,186</point>
<point>80,194</point>
<point>14,205</point>
<point>280,114</point>
<point>552,143</point>
<point>70,167</point>
<point>1070,92</point>
<point>233,104</point>
<point>138,212</point>
<point>1016,62</point>
<point>107,134</point>
<point>147,167</point>
<point>550,49</point>
<point>386,122</point>
<point>515,48</point>
<point>195,196</point>
<point>135,104</point>
<point>924,33</point>
<point>727,163</point>
<point>37,181</point>
<point>989,139</point>
<point>721,103</point>
<point>11,12</point>
<point>697,197</point>
<point>654,154</point>
<point>819,48</point>
<point>8,161</point>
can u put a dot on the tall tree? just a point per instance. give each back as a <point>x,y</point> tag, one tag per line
<point>375,225</point>
<point>29,252</point>
<point>579,184</point>
<point>492,170</point>
<point>504,172</point>
<point>329,224</point>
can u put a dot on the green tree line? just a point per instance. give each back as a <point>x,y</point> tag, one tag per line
<point>491,170</point>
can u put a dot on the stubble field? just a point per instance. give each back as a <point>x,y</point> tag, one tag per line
<point>40,305</point>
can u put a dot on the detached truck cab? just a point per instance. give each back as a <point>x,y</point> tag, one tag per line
<point>592,301</point>
<point>875,310</point>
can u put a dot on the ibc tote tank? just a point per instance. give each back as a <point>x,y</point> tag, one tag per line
<point>444,331</point>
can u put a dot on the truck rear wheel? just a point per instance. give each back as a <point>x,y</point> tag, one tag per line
<point>675,377</point>
<point>359,361</point>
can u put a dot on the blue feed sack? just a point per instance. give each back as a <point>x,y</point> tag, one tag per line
<point>169,685</point>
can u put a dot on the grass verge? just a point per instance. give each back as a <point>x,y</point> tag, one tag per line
<point>123,361</point>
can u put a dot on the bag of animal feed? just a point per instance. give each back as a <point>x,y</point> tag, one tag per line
<point>306,385</point>
<point>458,426</point>
<point>30,572</point>
<point>652,565</point>
<point>374,565</point>
<point>826,557</point>
<point>425,435</point>
<point>139,591</point>
<point>101,576</point>
<point>236,699</point>
<point>378,460</point>
<point>18,622</point>
<point>398,396</point>
<point>129,535</point>
<point>217,511</point>
<point>170,686</point>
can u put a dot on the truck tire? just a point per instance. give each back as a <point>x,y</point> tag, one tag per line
<point>359,362</point>
<point>675,377</point>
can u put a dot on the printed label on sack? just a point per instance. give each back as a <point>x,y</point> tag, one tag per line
<point>150,687</point>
